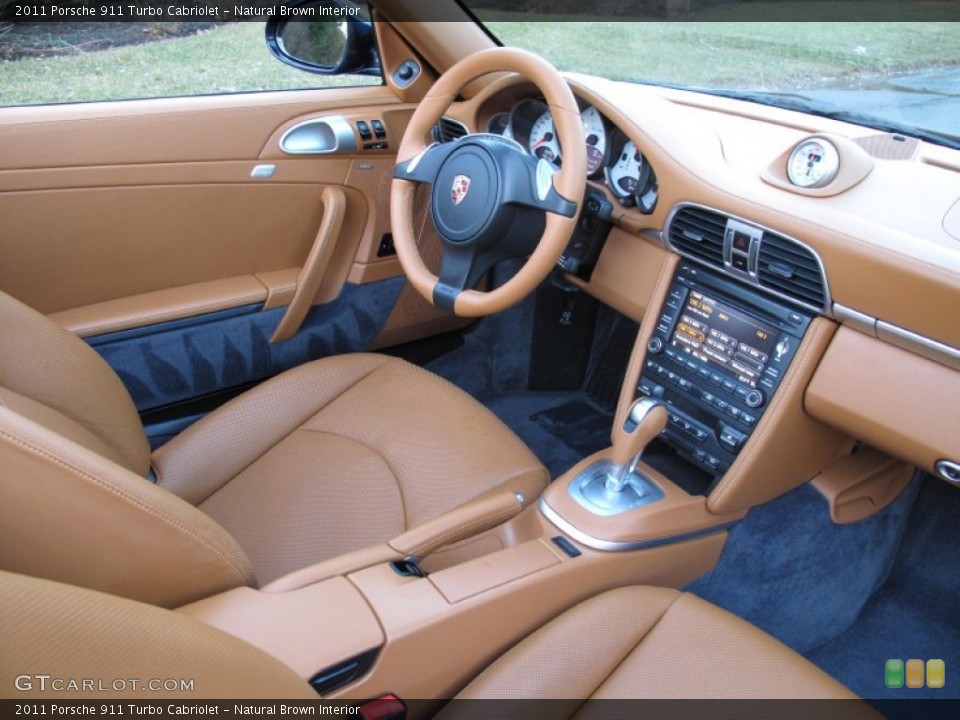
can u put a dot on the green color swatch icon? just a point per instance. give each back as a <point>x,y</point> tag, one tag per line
<point>893,673</point>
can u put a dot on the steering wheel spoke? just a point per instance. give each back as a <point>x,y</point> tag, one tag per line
<point>425,165</point>
<point>531,185</point>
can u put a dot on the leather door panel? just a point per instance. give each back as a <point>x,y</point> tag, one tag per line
<point>138,225</point>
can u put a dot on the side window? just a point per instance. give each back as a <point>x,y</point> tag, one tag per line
<point>47,60</point>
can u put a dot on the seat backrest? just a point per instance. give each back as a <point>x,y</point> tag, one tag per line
<point>69,633</point>
<point>74,503</point>
<point>53,377</point>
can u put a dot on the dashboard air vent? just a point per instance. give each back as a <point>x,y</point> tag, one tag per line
<point>699,232</point>
<point>448,129</point>
<point>790,269</point>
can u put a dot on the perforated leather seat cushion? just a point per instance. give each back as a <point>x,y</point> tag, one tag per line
<point>339,454</point>
<point>650,643</point>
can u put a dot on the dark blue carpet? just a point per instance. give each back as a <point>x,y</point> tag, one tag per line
<point>789,570</point>
<point>560,427</point>
<point>173,364</point>
<point>916,614</point>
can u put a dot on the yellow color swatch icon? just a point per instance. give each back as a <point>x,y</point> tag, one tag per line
<point>936,673</point>
<point>914,673</point>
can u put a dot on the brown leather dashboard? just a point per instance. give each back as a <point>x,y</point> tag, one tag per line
<point>887,236</point>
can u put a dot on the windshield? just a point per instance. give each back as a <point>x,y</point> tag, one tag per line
<point>895,76</point>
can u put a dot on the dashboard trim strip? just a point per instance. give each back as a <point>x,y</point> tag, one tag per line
<point>624,546</point>
<point>898,336</point>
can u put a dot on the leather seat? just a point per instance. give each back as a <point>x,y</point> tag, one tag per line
<point>635,643</point>
<point>651,643</point>
<point>328,458</point>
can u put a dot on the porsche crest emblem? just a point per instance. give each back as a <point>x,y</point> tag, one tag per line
<point>461,185</point>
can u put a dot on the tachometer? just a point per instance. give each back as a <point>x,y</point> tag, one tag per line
<point>596,138</point>
<point>543,139</point>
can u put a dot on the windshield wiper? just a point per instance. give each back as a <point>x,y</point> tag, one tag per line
<point>802,103</point>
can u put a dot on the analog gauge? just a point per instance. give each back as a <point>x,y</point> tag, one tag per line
<point>522,118</point>
<point>543,139</point>
<point>596,139</point>
<point>813,163</point>
<point>499,124</point>
<point>624,173</point>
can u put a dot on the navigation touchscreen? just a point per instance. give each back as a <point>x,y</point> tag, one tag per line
<point>716,334</point>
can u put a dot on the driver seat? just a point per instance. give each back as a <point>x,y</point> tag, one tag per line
<point>336,456</point>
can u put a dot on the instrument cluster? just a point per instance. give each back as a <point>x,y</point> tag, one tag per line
<point>613,159</point>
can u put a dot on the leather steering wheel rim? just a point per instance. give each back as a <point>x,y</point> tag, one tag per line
<point>569,182</point>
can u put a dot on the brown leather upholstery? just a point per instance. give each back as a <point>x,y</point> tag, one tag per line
<point>636,642</point>
<point>69,633</point>
<point>41,361</point>
<point>650,643</point>
<point>339,454</point>
<point>69,514</point>
<point>329,458</point>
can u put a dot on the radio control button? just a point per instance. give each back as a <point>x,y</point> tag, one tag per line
<point>654,345</point>
<point>754,399</point>
<point>703,372</point>
<point>691,365</point>
<point>720,404</point>
<point>716,379</point>
<point>729,386</point>
<point>707,398</point>
<point>742,391</point>
<point>733,411</point>
<point>700,454</point>
<point>748,418</point>
<point>712,461</point>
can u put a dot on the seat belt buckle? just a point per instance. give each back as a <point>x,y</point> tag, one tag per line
<point>385,707</point>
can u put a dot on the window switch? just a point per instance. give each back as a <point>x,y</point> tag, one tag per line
<point>378,129</point>
<point>364,129</point>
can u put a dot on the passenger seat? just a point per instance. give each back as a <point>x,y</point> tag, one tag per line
<point>634,642</point>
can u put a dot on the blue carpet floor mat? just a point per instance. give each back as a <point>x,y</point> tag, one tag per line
<point>914,615</point>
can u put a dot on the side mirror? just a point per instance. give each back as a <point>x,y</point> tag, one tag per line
<point>327,37</point>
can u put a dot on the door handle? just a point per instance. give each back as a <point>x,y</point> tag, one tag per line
<point>311,274</point>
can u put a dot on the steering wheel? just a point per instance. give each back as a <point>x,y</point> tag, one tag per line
<point>490,199</point>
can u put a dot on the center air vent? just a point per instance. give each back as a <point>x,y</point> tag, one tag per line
<point>448,129</point>
<point>788,268</point>
<point>699,233</point>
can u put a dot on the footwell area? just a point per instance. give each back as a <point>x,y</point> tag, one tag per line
<point>914,615</point>
<point>850,597</point>
<point>560,427</point>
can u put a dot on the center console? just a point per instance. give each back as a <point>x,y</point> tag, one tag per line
<point>716,357</point>
<point>718,365</point>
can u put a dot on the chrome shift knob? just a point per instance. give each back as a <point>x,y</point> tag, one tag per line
<point>646,420</point>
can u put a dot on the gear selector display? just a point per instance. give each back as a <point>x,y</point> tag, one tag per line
<point>715,334</point>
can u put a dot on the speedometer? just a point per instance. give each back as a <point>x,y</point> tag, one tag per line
<point>543,139</point>
<point>595,135</point>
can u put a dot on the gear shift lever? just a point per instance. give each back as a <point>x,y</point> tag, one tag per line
<point>644,422</point>
<point>611,486</point>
